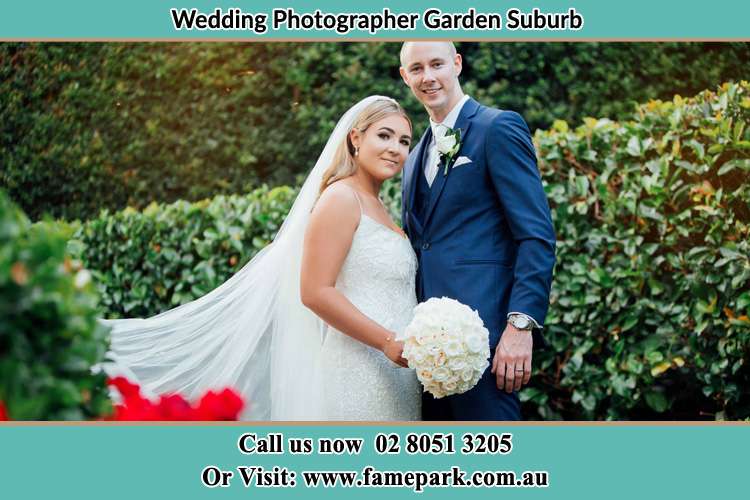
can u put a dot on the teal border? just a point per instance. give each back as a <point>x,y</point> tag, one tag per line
<point>150,19</point>
<point>165,461</point>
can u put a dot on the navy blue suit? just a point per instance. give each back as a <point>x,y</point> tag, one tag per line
<point>483,236</point>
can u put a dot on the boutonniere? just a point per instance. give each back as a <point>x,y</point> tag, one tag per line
<point>448,147</point>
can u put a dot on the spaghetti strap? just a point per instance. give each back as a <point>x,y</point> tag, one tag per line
<point>359,201</point>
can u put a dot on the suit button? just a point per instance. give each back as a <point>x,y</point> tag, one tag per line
<point>425,246</point>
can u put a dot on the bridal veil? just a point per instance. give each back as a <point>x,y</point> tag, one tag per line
<point>251,333</point>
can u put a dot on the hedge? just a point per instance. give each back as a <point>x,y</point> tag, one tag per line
<point>651,297</point>
<point>145,262</point>
<point>88,126</point>
<point>49,337</point>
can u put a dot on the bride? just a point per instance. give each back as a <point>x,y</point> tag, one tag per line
<point>307,330</point>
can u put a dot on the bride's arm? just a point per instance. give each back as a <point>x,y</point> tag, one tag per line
<point>327,241</point>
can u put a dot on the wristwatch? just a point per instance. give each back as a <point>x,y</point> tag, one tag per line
<point>521,321</point>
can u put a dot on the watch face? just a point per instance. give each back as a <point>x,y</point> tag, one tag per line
<point>520,322</point>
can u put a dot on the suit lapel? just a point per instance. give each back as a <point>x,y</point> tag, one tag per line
<point>464,123</point>
<point>414,168</point>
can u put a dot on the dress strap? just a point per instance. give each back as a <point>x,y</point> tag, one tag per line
<point>359,201</point>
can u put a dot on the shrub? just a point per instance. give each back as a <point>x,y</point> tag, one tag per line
<point>107,125</point>
<point>145,262</point>
<point>49,337</point>
<point>651,296</point>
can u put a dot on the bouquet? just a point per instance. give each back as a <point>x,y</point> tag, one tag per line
<point>448,346</point>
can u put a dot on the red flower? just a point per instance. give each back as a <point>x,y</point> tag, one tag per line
<point>3,412</point>
<point>174,407</point>
<point>224,405</point>
<point>125,387</point>
<point>133,405</point>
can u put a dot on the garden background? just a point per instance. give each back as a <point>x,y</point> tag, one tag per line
<point>158,169</point>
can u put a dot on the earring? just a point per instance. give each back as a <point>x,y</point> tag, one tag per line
<point>356,151</point>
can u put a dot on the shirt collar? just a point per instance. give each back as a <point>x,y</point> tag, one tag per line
<point>450,119</point>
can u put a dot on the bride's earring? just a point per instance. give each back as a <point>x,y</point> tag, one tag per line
<point>356,151</point>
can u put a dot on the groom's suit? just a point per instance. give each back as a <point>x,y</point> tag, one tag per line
<point>483,236</point>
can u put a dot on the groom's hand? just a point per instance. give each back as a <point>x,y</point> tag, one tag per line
<point>512,362</point>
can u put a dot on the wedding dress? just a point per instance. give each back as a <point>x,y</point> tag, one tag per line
<point>254,334</point>
<point>359,382</point>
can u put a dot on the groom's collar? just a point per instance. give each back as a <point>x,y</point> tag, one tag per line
<point>463,122</point>
<point>450,119</point>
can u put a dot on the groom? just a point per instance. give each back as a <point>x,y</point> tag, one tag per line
<point>478,218</point>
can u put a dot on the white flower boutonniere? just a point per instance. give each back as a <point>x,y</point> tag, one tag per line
<point>448,147</point>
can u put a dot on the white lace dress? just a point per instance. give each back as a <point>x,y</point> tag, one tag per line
<point>360,383</point>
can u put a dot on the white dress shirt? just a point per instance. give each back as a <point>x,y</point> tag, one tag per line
<point>431,164</point>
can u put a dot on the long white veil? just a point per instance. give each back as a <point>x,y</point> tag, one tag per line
<point>251,333</point>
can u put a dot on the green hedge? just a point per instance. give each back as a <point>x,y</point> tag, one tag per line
<point>49,337</point>
<point>145,262</point>
<point>87,126</point>
<point>651,297</point>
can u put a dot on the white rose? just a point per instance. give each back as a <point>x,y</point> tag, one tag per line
<point>421,338</point>
<point>446,144</point>
<point>457,364</point>
<point>480,364</point>
<point>440,374</point>
<point>417,355</point>
<point>475,342</point>
<point>450,386</point>
<point>467,374</point>
<point>453,348</point>
<point>438,393</point>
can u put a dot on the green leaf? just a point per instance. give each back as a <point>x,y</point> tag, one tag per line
<point>698,148</point>
<point>630,321</point>
<point>656,400</point>
<point>634,146</point>
<point>739,128</point>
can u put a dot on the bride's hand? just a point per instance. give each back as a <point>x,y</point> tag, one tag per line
<point>393,350</point>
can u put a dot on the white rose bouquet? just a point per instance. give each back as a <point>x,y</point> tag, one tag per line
<point>448,346</point>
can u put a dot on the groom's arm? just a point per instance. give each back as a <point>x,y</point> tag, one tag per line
<point>512,162</point>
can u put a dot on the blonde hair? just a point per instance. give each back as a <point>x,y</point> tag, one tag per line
<point>343,164</point>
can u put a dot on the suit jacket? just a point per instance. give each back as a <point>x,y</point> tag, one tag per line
<point>486,238</point>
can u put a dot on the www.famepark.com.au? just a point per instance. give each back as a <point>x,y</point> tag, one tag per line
<point>369,477</point>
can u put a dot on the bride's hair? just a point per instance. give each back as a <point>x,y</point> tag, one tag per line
<point>343,164</point>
